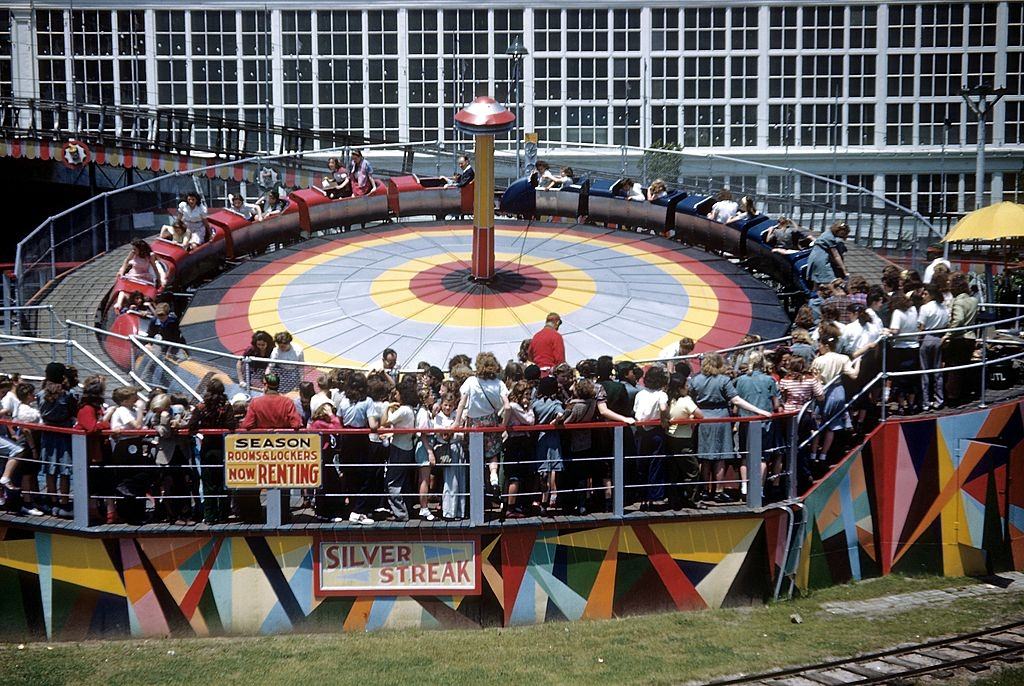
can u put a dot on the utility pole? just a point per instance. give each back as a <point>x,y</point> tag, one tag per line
<point>981,99</point>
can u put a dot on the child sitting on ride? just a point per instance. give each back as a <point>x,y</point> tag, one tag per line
<point>725,208</point>
<point>247,211</point>
<point>629,189</point>
<point>747,210</point>
<point>337,183</point>
<point>134,302</point>
<point>273,203</point>
<point>656,190</point>
<point>541,177</point>
<point>566,177</point>
<point>177,233</point>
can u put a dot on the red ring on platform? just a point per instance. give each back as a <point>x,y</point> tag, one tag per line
<point>520,284</point>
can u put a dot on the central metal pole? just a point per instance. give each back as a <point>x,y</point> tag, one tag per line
<point>483,209</point>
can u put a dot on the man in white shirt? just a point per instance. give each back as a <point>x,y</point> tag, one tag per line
<point>284,350</point>
<point>684,346</point>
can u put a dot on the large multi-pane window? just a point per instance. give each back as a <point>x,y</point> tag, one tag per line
<point>382,73</point>
<point>255,67</point>
<point>172,63</point>
<point>297,62</point>
<point>6,75</point>
<point>50,50</point>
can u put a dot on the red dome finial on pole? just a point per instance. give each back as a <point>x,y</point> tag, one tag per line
<point>482,119</point>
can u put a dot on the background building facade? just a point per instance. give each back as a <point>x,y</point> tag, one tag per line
<point>866,92</point>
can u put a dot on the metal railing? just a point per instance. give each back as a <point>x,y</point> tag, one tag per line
<point>115,217</point>
<point>631,478</point>
<point>883,376</point>
<point>168,129</point>
<point>875,220</point>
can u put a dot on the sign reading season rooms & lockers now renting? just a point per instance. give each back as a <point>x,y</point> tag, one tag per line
<point>397,567</point>
<point>272,460</point>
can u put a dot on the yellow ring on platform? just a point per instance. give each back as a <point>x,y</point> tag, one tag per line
<point>391,292</point>
<point>701,313</point>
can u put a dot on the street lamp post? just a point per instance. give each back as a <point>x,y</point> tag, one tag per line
<point>981,99</point>
<point>517,51</point>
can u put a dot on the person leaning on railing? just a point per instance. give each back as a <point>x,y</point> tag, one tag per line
<point>714,392</point>
<point>91,419</point>
<point>58,407</point>
<point>322,418</point>
<point>958,346</point>
<point>214,412</point>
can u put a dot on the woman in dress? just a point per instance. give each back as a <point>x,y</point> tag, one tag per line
<point>361,174</point>
<point>828,367</point>
<point>714,392</point>
<point>260,346</point>
<point>192,211</point>
<point>483,401</point>
<point>140,264</point>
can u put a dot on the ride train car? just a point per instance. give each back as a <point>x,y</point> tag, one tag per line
<point>307,210</point>
<point>678,214</point>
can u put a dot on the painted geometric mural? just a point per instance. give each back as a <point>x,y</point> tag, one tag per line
<point>66,587</point>
<point>934,495</point>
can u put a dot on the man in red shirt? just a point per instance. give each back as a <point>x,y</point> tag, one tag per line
<point>547,349</point>
<point>272,410</point>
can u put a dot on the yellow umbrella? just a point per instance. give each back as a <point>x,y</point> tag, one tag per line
<point>993,223</point>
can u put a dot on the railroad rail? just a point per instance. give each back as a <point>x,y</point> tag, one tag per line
<point>938,657</point>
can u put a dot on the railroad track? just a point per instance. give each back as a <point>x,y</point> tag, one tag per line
<point>940,657</point>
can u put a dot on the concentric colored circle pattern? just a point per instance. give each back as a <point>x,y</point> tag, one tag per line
<point>408,287</point>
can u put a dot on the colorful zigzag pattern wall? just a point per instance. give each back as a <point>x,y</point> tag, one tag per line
<point>936,495</point>
<point>68,587</point>
<point>933,495</point>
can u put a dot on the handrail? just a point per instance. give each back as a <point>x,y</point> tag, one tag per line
<point>884,375</point>
<point>149,353</point>
<point>162,125</point>
<point>957,329</point>
<point>735,348</point>
<point>256,159</point>
<point>78,346</point>
<point>526,428</point>
<point>773,167</point>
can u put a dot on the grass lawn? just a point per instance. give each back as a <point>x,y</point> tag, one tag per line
<point>659,649</point>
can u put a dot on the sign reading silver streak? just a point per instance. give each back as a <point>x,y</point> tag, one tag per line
<point>397,567</point>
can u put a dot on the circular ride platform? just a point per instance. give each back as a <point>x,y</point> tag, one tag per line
<point>347,297</point>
